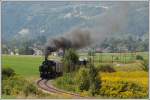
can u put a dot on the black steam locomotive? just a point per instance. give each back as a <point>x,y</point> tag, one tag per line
<point>50,69</point>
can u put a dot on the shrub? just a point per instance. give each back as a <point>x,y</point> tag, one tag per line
<point>17,85</point>
<point>66,82</point>
<point>116,58</point>
<point>106,68</point>
<point>13,85</point>
<point>95,86</point>
<point>95,81</point>
<point>83,78</point>
<point>139,57</point>
<point>86,79</point>
<point>145,64</point>
<point>30,89</point>
<point>7,72</point>
<point>70,60</point>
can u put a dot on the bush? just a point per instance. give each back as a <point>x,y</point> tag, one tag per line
<point>83,79</point>
<point>139,57</point>
<point>86,79</point>
<point>95,81</point>
<point>70,60</point>
<point>106,68</point>
<point>16,85</point>
<point>7,72</point>
<point>13,85</point>
<point>66,82</point>
<point>145,64</point>
<point>30,89</point>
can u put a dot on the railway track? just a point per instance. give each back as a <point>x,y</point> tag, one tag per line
<point>43,84</point>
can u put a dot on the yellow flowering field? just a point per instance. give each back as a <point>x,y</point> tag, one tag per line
<point>125,84</point>
<point>139,77</point>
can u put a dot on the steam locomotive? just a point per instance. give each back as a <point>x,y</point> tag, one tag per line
<point>51,68</point>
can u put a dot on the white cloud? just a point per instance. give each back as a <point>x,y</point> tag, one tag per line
<point>29,18</point>
<point>105,7</point>
<point>85,17</point>
<point>68,15</point>
<point>141,9</point>
<point>42,31</point>
<point>24,31</point>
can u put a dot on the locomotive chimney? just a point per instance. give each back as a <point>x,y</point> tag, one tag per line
<point>48,51</point>
<point>46,57</point>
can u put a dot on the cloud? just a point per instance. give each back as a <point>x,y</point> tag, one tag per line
<point>105,7</point>
<point>29,18</point>
<point>68,15</point>
<point>24,31</point>
<point>42,31</point>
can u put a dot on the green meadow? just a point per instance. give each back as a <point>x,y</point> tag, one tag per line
<point>28,65</point>
<point>24,65</point>
<point>115,57</point>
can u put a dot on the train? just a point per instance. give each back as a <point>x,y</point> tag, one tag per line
<point>50,69</point>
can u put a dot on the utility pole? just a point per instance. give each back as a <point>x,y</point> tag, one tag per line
<point>93,52</point>
<point>120,54</point>
<point>125,59</point>
<point>99,57</point>
<point>112,58</point>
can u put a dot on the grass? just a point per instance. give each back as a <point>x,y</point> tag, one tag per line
<point>116,57</point>
<point>27,66</point>
<point>8,97</point>
<point>136,66</point>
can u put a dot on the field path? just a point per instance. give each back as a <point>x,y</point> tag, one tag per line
<point>43,84</point>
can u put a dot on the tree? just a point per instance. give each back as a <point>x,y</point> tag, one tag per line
<point>7,72</point>
<point>145,65</point>
<point>26,50</point>
<point>95,82</point>
<point>4,49</point>
<point>139,57</point>
<point>83,79</point>
<point>88,79</point>
<point>70,60</point>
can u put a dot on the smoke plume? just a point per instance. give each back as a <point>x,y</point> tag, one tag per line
<point>76,38</point>
<point>114,20</point>
<point>111,21</point>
